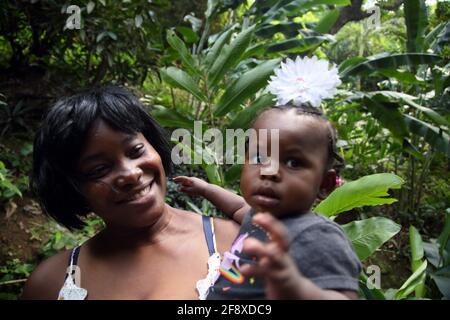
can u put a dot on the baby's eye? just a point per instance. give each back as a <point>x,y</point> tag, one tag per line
<point>293,163</point>
<point>137,151</point>
<point>258,159</point>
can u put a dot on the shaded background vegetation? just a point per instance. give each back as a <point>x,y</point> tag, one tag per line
<point>392,113</point>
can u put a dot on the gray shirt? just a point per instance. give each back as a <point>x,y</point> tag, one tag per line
<point>319,248</point>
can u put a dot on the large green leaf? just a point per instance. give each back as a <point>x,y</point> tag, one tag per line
<point>388,115</point>
<point>233,173</point>
<point>292,8</point>
<point>229,56</point>
<point>244,87</point>
<point>397,97</point>
<point>369,294</point>
<point>180,79</point>
<point>217,47</point>
<point>417,253</point>
<point>442,279</point>
<point>445,233</point>
<point>416,244</point>
<point>394,61</point>
<point>436,137</point>
<point>171,118</point>
<point>371,190</point>
<point>369,234</point>
<point>243,119</point>
<point>415,280</point>
<point>309,40</point>
<point>289,29</point>
<point>327,22</point>
<point>178,45</point>
<point>416,23</point>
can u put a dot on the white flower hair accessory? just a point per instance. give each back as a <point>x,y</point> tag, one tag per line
<point>305,80</point>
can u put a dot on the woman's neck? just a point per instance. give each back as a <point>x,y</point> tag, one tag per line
<point>129,237</point>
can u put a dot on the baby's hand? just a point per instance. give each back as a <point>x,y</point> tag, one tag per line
<point>273,263</point>
<point>191,185</point>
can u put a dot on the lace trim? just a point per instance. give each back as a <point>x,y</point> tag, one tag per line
<point>70,291</point>
<point>214,261</point>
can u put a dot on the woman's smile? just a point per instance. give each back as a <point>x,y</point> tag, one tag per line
<point>141,195</point>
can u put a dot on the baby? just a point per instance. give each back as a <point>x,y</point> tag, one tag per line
<point>306,256</point>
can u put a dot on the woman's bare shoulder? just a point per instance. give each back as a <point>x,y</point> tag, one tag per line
<point>47,279</point>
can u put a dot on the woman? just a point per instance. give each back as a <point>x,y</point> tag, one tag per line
<point>100,152</point>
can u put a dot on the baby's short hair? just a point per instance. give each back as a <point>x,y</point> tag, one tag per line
<point>60,139</point>
<point>334,159</point>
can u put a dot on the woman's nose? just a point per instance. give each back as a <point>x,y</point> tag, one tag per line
<point>128,178</point>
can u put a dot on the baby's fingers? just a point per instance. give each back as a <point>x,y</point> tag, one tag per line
<point>185,181</point>
<point>274,227</point>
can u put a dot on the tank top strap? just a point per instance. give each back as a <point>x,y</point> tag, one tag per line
<point>73,260</point>
<point>208,229</point>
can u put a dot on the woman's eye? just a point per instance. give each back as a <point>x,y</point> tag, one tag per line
<point>293,163</point>
<point>97,172</point>
<point>137,151</point>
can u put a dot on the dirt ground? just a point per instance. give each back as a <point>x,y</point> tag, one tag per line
<point>18,222</point>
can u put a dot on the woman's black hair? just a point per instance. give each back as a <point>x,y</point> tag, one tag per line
<point>60,139</point>
<point>335,161</point>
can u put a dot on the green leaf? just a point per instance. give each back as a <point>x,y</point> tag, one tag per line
<point>212,172</point>
<point>90,7</point>
<point>212,8</point>
<point>180,79</point>
<point>388,115</point>
<point>103,34</point>
<point>436,137</point>
<point>417,254</point>
<point>371,190</point>
<point>350,63</point>
<point>445,234</point>
<point>212,55</point>
<point>138,21</point>
<point>401,75</point>
<point>244,87</point>
<point>416,279</point>
<point>233,173</point>
<point>416,23</point>
<point>442,279</point>
<point>370,294</point>
<point>369,234</point>
<point>229,56</point>
<point>307,42</point>
<point>386,61</point>
<point>188,34</point>
<point>171,118</point>
<point>194,207</point>
<point>289,29</point>
<point>178,45</point>
<point>432,35</point>
<point>327,22</point>
<point>243,119</point>
<point>396,97</point>
<point>416,244</point>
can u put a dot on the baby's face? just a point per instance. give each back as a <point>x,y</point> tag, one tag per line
<point>303,153</point>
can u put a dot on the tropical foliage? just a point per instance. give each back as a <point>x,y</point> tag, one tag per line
<point>210,61</point>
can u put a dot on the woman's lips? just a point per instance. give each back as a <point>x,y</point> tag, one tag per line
<point>144,195</point>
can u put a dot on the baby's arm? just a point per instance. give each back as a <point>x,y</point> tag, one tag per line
<point>233,205</point>
<point>274,264</point>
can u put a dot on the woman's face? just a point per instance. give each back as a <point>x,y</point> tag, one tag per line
<point>123,177</point>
